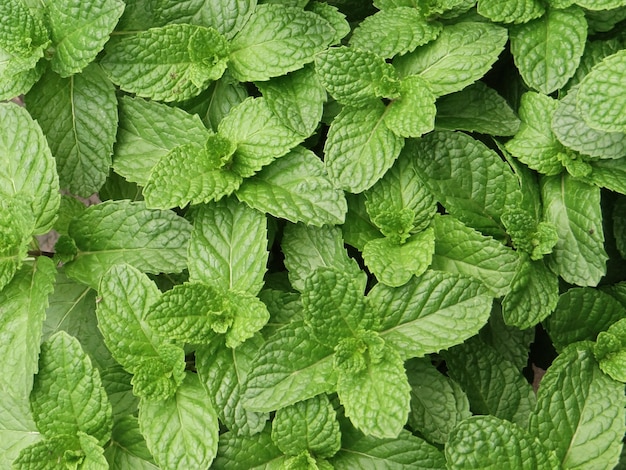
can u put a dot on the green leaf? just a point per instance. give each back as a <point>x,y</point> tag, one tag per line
<point>307,425</point>
<point>529,236</point>
<point>128,447</point>
<point>460,55</point>
<point>265,47</point>
<point>433,312</point>
<point>295,187</point>
<point>494,385</point>
<point>118,385</point>
<point>601,95</point>
<point>610,351</point>
<point>535,144</point>
<point>23,304</point>
<point>510,446</point>
<point>596,5</point>
<point>512,11</point>
<point>12,85</point>
<point>291,366</point>
<point>394,31</point>
<point>68,396</point>
<point>259,135</point>
<point>16,225</point>
<point>94,454</point>
<point>573,207</point>
<point>181,431</point>
<point>609,174</point>
<point>547,50</point>
<point>228,246</point>
<point>147,132</point>
<point>472,182</point>
<point>359,148</point>
<point>127,232</point>
<point>358,228</point>
<point>395,264</point>
<point>413,113</point>
<point>580,411</point>
<point>126,296</point>
<point>17,428</point>
<point>195,56</point>
<point>79,31</point>
<point>476,108</point>
<point>460,249</point>
<point>79,118</point>
<point>238,451</point>
<point>356,77</point>
<point>438,403</point>
<point>335,18</point>
<point>28,167</point>
<point>581,313</point>
<point>21,32</point>
<point>49,453</point>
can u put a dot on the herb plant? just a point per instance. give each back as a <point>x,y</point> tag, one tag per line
<point>332,234</point>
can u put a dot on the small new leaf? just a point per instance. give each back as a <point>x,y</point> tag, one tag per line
<point>610,350</point>
<point>412,114</point>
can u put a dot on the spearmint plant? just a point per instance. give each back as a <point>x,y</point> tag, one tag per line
<point>328,234</point>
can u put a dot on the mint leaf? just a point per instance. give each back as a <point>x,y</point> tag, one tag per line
<point>461,54</point>
<point>128,447</point>
<point>265,48</point>
<point>295,187</point>
<point>534,238</point>
<point>394,31</point>
<point>228,246</point>
<point>118,385</point>
<point>336,19</point>
<point>126,298</point>
<point>512,11</point>
<point>259,135</point>
<point>29,169</point>
<point>24,301</point>
<point>61,449</point>
<point>610,350</point>
<point>79,118</point>
<point>547,50</point>
<point>573,207</point>
<point>511,343</point>
<point>609,174</point>
<point>19,83</point>
<point>600,95</point>
<point>15,235</point>
<point>216,101</point>
<point>583,427</point>
<point>309,425</point>
<point>511,446</point>
<point>196,56</point>
<point>17,428</point>
<point>182,430</point>
<point>413,113</point>
<point>476,108</point>
<point>358,228</point>
<point>147,132</point>
<point>68,396</point>
<point>360,148</point>
<point>21,33</point>
<point>430,313</point>
<point>461,249</point>
<point>127,232</point>
<point>242,451</point>
<point>79,31</point>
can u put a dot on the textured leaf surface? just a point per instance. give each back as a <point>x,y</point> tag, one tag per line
<point>79,118</point>
<point>21,33</point>
<point>68,396</point>
<point>127,232</point>
<point>433,312</point>
<point>128,447</point>
<point>513,11</point>
<point>360,148</point>
<point>413,113</point>
<point>610,351</point>
<point>460,55</point>
<point>182,430</point>
<point>228,246</point>
<point>54,451</point>
<point>17,428</point>
<point>547,50</point>
<point>277,39</point>
<point>610,174</point>
<point>253,452</point>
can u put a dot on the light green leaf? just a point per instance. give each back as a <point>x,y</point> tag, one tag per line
<point>510,11</point>
<point>527,235</point>
<point>128,447</point>
<point>49,453</point>
<point>395,264</point>
<point>259,135</point>
<point>610,350</point>
<point>182,431</point>
<point>595,52</point>
<point>258,452</point>
<point>23,304</point>
<point>94,454</point>
<point>265,47</point>
<point>291,366</point>
<point>12,85</point>
<point>68,396</point>
<point>438,403</point>
<point>460,249</point>
<point>359,148</point>
<point>16,226</point>
<point>601,95</point>
<point>195,56</point>
<point>307,425</point>
<point>358,228</point>
<point>460,55</point>
<point>336,19</point>
<point>147,132</point>
<point>79,118</point>
<point>116,232</point>
<point>228,246</point>
<point>28,167</point>
<point>413,113</point>
<point>118,385</point>
<point>573,207</point>
<point>510,446</point>
<point>79,31</point>
<point>295,187</point>
<point>158,377</point>
<point>17,428</point>
<point>21,34</point>
<point>433,312</point>
<point>580,411</point>
<point>610,174</point>
<point>250,315</point>
<point>476,108</point>
<point>394,31</point>
<point>598,5</point>
<point>547,50</point>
